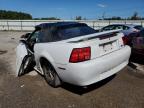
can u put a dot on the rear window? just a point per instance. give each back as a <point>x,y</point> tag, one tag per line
<point>110,27</point>
<point>118,27</point>
<point>72,32</point>
<point>138,27</point>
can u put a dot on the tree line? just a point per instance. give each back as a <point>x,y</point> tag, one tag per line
<point>13,15</point>
<point>48,18</point>
<point>135,16</point>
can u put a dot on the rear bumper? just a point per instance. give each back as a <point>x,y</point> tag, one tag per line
<point>92,71</point>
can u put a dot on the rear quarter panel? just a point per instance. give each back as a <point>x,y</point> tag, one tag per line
<point>54,52</point>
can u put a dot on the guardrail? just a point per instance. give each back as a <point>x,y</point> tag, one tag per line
<point>23,25</point>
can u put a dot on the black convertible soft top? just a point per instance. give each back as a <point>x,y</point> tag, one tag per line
<point>52,32</point>
<point>59,25</point>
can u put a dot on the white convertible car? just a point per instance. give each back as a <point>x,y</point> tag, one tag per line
<point>71,52</point>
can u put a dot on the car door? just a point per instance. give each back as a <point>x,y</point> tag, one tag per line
<point>21,52</point>
<point>25,55</point>
<point>138,42</point>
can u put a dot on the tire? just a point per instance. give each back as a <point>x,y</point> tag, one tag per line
<point>50,75</point>
<point>25,66</point>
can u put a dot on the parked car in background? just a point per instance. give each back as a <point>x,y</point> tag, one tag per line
<point>72,52</point>
<point>127,29</point>
<point>137,45</point>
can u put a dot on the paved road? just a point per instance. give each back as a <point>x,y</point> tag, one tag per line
<point>124,90</point>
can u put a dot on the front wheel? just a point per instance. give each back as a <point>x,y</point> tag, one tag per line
<point>50,75</point>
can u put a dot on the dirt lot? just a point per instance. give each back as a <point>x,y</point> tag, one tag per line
<point>124,90</point>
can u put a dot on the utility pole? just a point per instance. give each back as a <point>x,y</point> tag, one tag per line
<point>103,15</point>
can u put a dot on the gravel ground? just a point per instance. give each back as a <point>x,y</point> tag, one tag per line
<point>123,90</point>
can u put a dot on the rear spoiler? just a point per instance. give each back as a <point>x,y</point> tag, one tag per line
<point>101,35</point>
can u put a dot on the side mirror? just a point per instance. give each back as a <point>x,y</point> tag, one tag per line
<point>23,41</point>
<point>25,36</point>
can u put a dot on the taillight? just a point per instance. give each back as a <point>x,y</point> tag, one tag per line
<point>125,40</point>
<point>80,54</point>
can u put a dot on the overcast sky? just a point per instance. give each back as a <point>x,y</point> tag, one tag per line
<point>68,9</point>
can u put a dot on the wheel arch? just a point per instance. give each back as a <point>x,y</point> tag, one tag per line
<point>43,59</point>
<point>57,82</point>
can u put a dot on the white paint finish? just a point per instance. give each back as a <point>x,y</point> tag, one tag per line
<point>85,73</point>
<point>101,65</point>
<point>21,52</point>
<point>59,52</point>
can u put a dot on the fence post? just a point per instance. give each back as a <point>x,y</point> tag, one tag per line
<point>109,22</point>
<point>34,23</point>
<point>141,23</point>
<point>93,24</point>
<point>7,25</point>
<point>21,24</point>
<point>125,21</point>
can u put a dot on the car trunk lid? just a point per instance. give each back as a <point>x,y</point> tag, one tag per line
<point>101,43</point>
